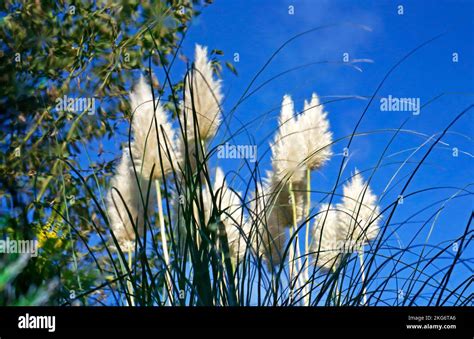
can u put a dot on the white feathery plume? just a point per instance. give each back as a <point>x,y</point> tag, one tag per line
<point>317,137</point>
<point>326,238</point>
<point>145,150</point>
<point>154,149</point>
<point>349,225</point>
<point>359,213</point>
<point>359,218</point>
<point>302,143</point>
<point>288,145</point>
<point>288,169</point>
<point>288,162</point>
<point>125,182</point>
<point>229,202</point>
<point>204,93</point>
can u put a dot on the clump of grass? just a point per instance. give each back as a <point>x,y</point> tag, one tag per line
<point>191,239</point>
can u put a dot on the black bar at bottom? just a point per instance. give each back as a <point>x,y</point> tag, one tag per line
<point>84,320</point>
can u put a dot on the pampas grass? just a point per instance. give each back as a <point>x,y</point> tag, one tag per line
<point>232,215</point>
<point>287,152</point>
<point>149,139</point>
<point>348,226</point>
<point>202,98</point>
<point>327,238</point>
<point>302,144</point>
<point>126,208</point>
<point>221,239</point>
<point>125,205</point>
<point>359,213</point>
<point>315,133</point>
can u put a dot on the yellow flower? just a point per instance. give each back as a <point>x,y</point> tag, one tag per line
<point>49,234</point>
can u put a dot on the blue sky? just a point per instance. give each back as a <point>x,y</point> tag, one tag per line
<point>256,29</point>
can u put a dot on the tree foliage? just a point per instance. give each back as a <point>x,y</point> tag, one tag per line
<point>50,49</point>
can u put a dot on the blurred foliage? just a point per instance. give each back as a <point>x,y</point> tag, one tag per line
<point>11,269</point>
<point>80,49</point>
